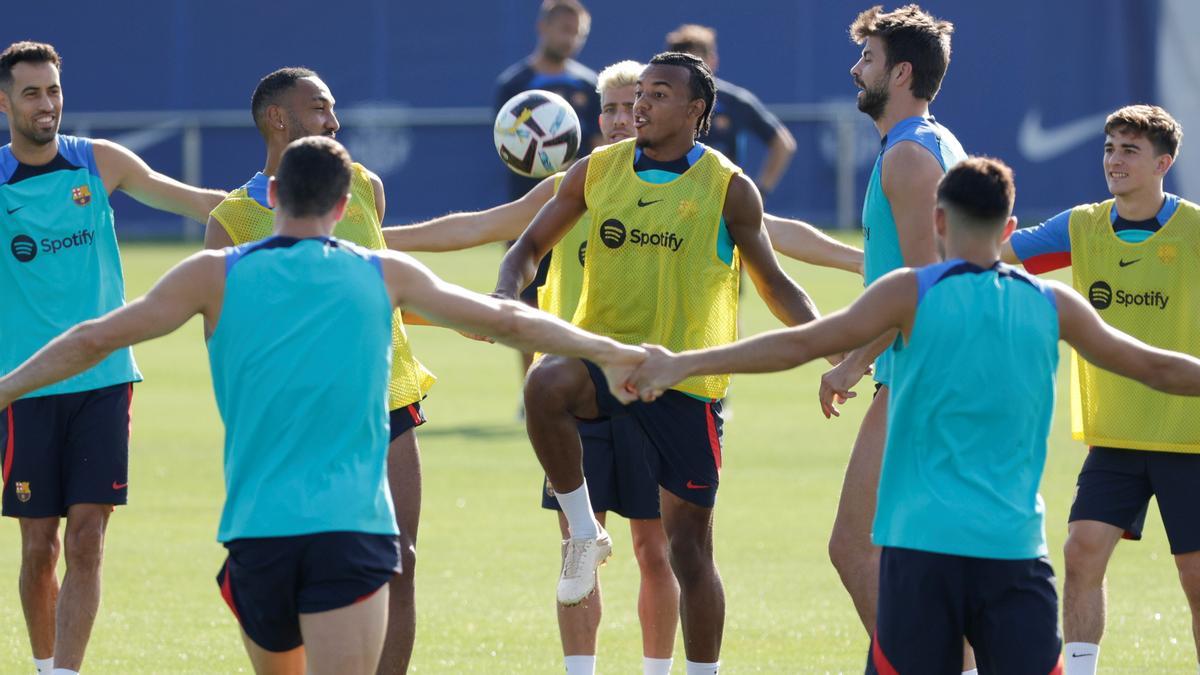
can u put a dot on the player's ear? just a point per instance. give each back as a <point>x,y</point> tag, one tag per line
<point>271,192</point>
<point>4,107</point>
<point>1009,228</point>
<point>274,117</point>
<point>339,209</point>
<point>939,221</point>
<point>902,73</point>
<point>1163,164</point>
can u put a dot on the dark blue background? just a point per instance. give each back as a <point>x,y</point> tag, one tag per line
<point>1067,60</point>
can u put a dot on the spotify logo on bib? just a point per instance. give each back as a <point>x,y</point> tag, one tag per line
<point>612,233</point>
<point>1100,294</point>
<point>583,253</point>
<point>24,248</point>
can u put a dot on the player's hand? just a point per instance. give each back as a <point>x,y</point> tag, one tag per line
<point>661,370</point>
<point>619,369</point>
<point>836,385</point>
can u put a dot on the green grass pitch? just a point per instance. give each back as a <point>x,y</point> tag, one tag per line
<point>488,555</point>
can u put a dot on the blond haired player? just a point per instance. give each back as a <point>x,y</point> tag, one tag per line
<point>293,103</point>
<point>1136,257</point>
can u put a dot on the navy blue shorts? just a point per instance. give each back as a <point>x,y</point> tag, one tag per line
<point>684,434</point>
<point>928,602</point>
<point>66,449</point>
<point>614,463</point>
<point>1115,486</point>
<point>402,419</point>
<point>269,582</point>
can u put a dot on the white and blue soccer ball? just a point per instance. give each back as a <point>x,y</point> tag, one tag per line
<point>537,133</point>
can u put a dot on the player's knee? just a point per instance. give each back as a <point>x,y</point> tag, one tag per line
<point>652,556</point>
<point>549,385</point>
<point>85,545</point>
<point>691,558</point>
<point>1084,557</point>
<point>1189,577</point>
<point>40,554</point>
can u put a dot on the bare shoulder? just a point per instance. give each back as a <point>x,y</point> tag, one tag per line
<point>743,202</point>
<point>908,156</point>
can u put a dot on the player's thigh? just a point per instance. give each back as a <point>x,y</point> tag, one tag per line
<point>562,381</point>
<point>1113,487</point>
<point>921,613</point>
<point>347,640</point>
<point>96,455</point>
<point>267,662</point>
<point>1175,478</point>
<point>856,506</point>
<point>684,450</point>
<point>33,440</point>
<point>404,470</point>
<point>1012,622</point>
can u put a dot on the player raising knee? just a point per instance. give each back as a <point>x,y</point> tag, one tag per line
<point>958,515</point>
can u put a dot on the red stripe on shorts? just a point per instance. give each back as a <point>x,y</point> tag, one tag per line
<point>129,411</point>
<point>227,591</point>
<point>880,660</point>
<point>8,445</point>
<point>713,439</point>
<point>1058,667</point>
<point>412,410</point>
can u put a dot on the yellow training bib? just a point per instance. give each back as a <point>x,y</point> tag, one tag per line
<point>1149,290</point>
<point>246,220</point>
<point>660,264</point>
<point>564,279</point>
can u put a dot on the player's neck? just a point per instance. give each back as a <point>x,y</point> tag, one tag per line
<point>983,252</point>
<point>545,64</point>
<point>274,156</point>
<point>302,228</point>
<point>33,154</point>
<point>671,149</point>
<point>900,109</point>
<point>1141,204</point>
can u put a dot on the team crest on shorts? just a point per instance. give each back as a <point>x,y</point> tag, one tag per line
<point>81,195</point>
<point>23,491</point>
<point>549,489</point>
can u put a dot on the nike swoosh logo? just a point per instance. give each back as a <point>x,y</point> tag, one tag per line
<point>694,486</point>
<point>12,211</point>
<point>642,203</point>
<point>1039,144</point>
<point>1127,263</point>
<point>119,486</point>
<point>1075,656</point>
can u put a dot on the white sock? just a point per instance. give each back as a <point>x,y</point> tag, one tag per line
<point>694,668</point>
<point>1081,658</point>
<point>973,671</point>
<point>580,665</point>
<point>64,671</point>
<point>44,666</point>
<point>653,666</point>
<point>577,507</point>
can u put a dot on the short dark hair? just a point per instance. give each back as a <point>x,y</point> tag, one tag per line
<point>552,8</point>
<point>701,84</point>
<point>29,52</point>
<point>692,38</point>
<point>980,188</point>
<point>910,34</point>
<point>1150,121</point>
<point>271,87</point>
<point>313,174</point>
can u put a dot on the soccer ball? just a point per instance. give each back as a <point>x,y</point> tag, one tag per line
<point>536,133</point>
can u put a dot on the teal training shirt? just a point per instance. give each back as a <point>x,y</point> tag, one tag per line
<point>300,360</point>
<point>61,265</point>
<point>971,401</point>
<point>881,242</point>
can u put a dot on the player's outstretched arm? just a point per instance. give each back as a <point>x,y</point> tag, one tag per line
<point>797,239</point>
<point>192,287</point>
<point>123,170</point>
<point>550,224</point>
<point>457,231</point>
<point>1082,328</point>
<point>744,218</point>
<point>885,307</point>
<point>413,286</point>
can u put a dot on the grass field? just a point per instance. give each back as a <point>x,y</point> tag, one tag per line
<point>489,555</point>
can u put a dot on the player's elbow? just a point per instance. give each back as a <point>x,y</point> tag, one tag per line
<point>91,340</point>
<point>784,142</point>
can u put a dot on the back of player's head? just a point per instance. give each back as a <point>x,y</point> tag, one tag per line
<point>619,74</point>
<point>978,192</point>
<point>1151,122</point>
<point>271,88</point>
<point>701,84</point>
<point>553,8</point>
<point>313,174</point>
<point>910,34</point>
<point>25,52</point>
<point>694,39</point>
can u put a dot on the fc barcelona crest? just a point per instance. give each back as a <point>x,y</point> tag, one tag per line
<point>81,195</point>
<point>23,492</point>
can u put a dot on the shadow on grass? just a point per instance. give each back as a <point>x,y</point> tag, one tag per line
<point>480,431</point>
